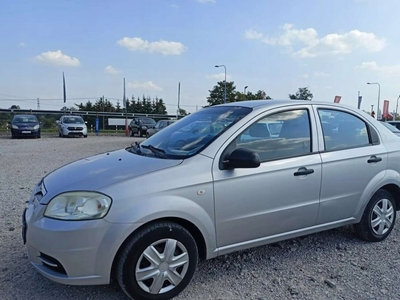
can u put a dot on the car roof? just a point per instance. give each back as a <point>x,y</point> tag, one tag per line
<point>24,116</point>
<point>262,104</point>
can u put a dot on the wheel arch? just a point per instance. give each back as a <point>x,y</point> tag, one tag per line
<point>394,190</point>
<point>189,226</point>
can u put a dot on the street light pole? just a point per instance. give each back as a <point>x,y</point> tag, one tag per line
<point>245,88</point>
<point>397,105</point>
<point>217,66</point>
<point>379,97</point>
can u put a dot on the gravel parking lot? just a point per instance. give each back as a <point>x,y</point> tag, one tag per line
<point>329,265</point>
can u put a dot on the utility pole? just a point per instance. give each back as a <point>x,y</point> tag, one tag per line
<point>38,104</point>
<point>179,99</point>
<point>103,112</point>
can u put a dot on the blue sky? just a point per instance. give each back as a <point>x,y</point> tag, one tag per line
<point>333,47</point>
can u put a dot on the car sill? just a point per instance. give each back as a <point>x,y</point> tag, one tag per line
<point>282,236</point>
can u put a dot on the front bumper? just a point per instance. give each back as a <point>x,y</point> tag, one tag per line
<point>28,132</point>
<point>72,252</point>
<point>74,132</point>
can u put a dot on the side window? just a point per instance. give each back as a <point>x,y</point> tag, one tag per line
<point>280,135</point>
<point>342,130</point>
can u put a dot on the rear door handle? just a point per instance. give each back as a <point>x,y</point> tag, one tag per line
<point>374,159</point>
<point>303,171</point>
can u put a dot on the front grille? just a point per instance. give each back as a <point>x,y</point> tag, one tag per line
<point>75,128</point>
<point>52,263</point>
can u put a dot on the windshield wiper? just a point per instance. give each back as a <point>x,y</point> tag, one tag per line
<point>157,151</point>
<point>136,148</point>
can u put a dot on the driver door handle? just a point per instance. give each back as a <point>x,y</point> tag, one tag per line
<point>374,159</point>
<point>303,171</point>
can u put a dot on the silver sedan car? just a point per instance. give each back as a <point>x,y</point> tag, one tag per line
<point>146,214</point>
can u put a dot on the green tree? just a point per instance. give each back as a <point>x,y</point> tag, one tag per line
<point>158,106</point>
<point>15,107</point>
<point>118,107</point>
<point>257,96</point>
<point>217,93</point>
<point>69,108</point>
<point>85,107</point>
<point>302,94</point>
<point>182,112</point>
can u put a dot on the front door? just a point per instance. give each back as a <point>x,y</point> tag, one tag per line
<point>279,196</point>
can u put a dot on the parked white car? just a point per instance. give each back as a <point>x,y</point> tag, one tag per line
<point>72,126</point>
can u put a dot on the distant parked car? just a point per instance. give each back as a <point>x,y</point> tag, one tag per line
<point>395,124</point>
<point>25,126</point>
<point>140,125</point>
<point>392,128</point>
<point>159,125</point>
<point>72,126</point>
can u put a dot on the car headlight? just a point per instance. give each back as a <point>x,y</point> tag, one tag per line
<point>144,127</point>
<point>14,126</point>
<point>36,127</point>
<point>78,206</point>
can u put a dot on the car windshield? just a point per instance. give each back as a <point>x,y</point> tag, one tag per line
<point>25,119</point>
<point>147,121</point>
<point>391,127</point>
<point>194,132</point>
<point>73,120</point>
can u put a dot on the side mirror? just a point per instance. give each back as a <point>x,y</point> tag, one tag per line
<point>242,158</point>
<point>58,122</point>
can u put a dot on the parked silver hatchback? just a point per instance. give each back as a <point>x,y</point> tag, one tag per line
<point>147,213</point>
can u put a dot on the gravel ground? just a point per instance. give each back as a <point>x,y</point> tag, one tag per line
<point>329,265</point>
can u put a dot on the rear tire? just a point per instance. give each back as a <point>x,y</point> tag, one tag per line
<point>85,136</point>
<point>378,218</point>
<point>158,262</point>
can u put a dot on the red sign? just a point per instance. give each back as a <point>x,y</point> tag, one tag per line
<point>337,99</point>
<point>385,109</point>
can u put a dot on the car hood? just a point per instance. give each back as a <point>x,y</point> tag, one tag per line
<point>30,125</point>
<point>74,124</point>
<point>101,170</point>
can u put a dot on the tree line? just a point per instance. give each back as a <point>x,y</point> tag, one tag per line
<point>232,95</point>
<point>149,105</point>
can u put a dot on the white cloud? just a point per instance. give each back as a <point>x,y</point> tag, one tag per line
<point>161,46</point>
<point>252,34</point>
<point>305,43</point>
<point>111,70</point>
<point>320,74</point>
<point>57,58</point>
<point>148,86</point>
<point>304,76</point>
<point>174,5</point>
<point>219,77</point>
<point>21,44</point>
<point>393,70</point>
<point>206,1</point>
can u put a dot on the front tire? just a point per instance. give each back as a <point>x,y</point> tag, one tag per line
<point>378,218</point>
<point>158,262</point>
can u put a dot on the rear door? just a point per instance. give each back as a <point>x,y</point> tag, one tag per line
<point>352,158</point>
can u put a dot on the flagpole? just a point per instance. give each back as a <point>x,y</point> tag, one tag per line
<point>64,90</point>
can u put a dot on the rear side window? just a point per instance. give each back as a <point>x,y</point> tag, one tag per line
<point>343,130</point>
